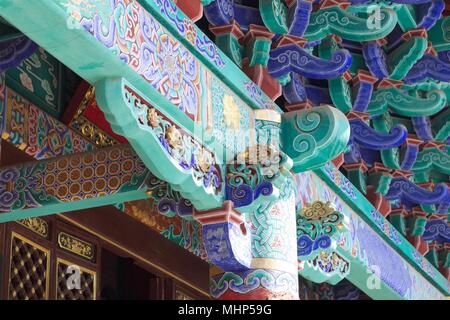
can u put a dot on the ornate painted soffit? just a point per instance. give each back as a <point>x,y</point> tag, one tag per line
<point>287,58</point>
<point>314,136</point>
<point>186,100</point>
<point>68,183</point>
<point>334,19</point>
<point>392,67</point>
<point>34,131</point>
<point>25,122</point>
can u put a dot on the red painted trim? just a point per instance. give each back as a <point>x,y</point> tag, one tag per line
<point>75,102</point>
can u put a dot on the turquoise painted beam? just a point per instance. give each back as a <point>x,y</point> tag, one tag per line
<point>21,132</point>
<point>105,50</point>
<point>335,242</point>
<point>177,67</point>
<point>74,182</point>
<point>167,149</point>
<point>372,221</point>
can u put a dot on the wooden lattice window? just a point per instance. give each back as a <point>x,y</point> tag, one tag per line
<point>70,289</point>
<point>29,270</point>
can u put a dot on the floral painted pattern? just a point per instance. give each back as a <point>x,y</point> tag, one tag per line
<point>26,81</point>
<point>148,48</point>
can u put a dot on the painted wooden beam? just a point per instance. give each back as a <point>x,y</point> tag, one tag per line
<point>336,241</point>
<point>73,182</point>
<point>196,85</point>
<point>34,131</point>
<point>170,151</point>
<point>379,238</point>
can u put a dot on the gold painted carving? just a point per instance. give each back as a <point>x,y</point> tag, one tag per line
<point>174,137</point>
<point>36,225</point>
<point>94,134</point>
<point>317,210</point>
<point>231,113</point>
<point>76,246</point>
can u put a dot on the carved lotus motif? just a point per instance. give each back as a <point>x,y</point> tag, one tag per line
<point>174,137</point>
<point>203,160</point>
<point>152,118</point>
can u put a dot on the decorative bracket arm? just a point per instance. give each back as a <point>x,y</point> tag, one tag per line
<point>439,35</point>
<point>218,12</point>
<point>375,59</point>
<point>429,67</point>
<point>292,58</point>
<point>430,13</point>
<point>350,27</point>
<point>170,152</point>
<point>404,104</point>
<point>432,158</point>
<point>295,91</point>
<point>312,137</point>
<point>226,237</point>
<point>300,18</point>
<point>437,230</point>
<point>274,15</point>
<point>402,59</point>
<point>406,190</point>
<point>375,140</point>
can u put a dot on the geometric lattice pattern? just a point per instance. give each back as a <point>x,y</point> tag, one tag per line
<point>71,288</point>
<point>29,268</point>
